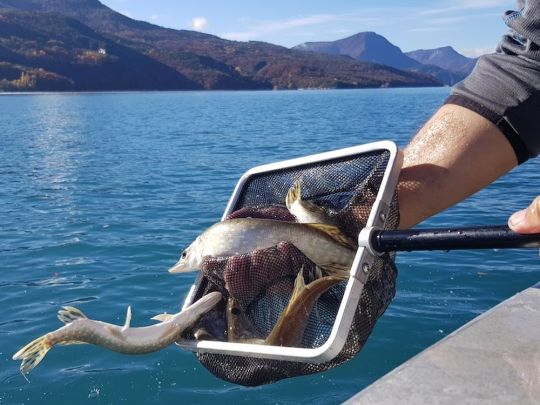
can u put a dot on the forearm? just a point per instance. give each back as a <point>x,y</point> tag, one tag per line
<point>456,153</point>
<point>486,127</point>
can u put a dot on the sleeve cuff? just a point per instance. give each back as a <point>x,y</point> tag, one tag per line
<point>521,151</point>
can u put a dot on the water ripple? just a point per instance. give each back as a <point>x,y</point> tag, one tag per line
<point>80,300</point>
<point>99,192</point>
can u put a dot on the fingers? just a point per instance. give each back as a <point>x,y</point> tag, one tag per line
<point>527,220</point>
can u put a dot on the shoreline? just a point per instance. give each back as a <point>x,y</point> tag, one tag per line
<point>53,92</point>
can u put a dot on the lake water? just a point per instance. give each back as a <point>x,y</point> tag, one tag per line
<point>99,192</point>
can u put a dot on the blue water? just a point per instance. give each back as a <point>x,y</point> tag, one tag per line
<point>98,193</point>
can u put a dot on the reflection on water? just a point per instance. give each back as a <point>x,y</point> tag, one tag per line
<point>59,142</point>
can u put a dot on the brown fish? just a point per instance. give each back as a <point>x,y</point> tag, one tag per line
<point>289,328</point>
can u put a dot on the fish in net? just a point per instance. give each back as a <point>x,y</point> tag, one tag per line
<point>260,284</point>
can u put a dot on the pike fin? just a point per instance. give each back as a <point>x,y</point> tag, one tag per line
<point>162,317</point>
<point>294,194</point>
<point>70,314</point>
<point>299,285</point>
<point>335,233</point>
<point>128,319</point>
<point>305,211</point>
<point>336,270</point>
<point>33,353</point>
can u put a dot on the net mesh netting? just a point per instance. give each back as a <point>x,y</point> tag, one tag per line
<point>257,287</point>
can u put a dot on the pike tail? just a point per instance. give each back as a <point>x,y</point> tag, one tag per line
<point>293,195</point>
<point>33,353</point>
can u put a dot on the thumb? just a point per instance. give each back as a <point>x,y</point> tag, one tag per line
<point>527,220</point>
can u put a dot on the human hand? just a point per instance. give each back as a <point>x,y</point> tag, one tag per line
<point>526,220</point>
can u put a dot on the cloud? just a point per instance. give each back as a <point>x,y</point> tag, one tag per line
<point>466,5</point>
<point>154,17</point>
<point>443,16</point>
<point>199,23</point>
<point>263,29</point>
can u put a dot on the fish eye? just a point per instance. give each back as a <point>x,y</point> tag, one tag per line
<point>184,254</point>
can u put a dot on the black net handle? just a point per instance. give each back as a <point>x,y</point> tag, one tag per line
<point>489,237</point>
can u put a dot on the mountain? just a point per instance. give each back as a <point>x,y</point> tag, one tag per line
<point>445,58</point>
<point>50,52</point>
<point>181,59</point>
<point>445,64</point>
<point>364,46</point>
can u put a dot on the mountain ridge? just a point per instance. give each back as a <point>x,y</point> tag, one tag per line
<point>36,48</point>
<point>445,64</point>
<point>365,46</point>
<point>444,57</point>
<point>201,61</point>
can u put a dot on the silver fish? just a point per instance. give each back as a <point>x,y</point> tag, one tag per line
<point>123,339</point>
<point>306,211</point>
<point>325,245</point>
<point>210,327</point>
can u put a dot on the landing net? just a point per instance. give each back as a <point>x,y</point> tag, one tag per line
<point>262,282</point>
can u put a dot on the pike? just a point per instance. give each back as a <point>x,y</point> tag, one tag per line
<point>289,328</point>
<point>123,339</point>
<point>323,244</point>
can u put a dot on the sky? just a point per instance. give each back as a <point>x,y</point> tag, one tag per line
<point>472,27</point>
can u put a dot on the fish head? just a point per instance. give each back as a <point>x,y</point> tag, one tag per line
<point>239,327</point>
<point>190,259</point>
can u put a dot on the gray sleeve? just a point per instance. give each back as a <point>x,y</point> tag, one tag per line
<point>504,87</point>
